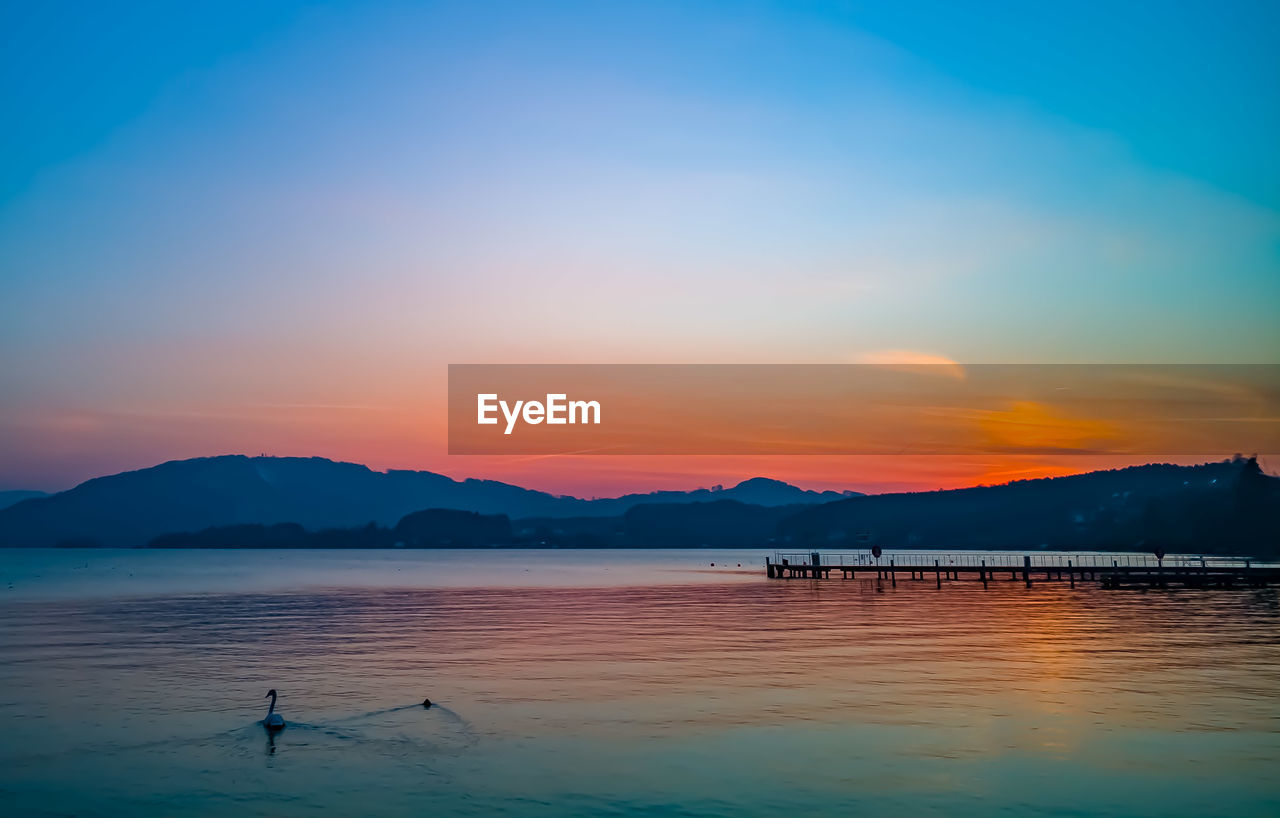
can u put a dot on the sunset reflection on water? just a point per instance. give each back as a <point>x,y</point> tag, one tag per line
<point>725,695</point>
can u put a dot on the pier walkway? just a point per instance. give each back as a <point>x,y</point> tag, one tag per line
<point>1110,570</point>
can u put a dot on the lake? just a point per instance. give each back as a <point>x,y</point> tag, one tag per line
<point>619,683</point>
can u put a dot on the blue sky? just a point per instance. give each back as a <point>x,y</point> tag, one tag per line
<point>1189,86</point>
<point>211,208</point>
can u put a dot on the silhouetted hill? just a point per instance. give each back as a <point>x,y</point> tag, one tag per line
<point>131,508</point>
<point>280,535</point>
<point>448,528</point>
<point>713,524</point>
<point>663,525</point>
<point>9,498</point>
<point>433,528</point>
<point>719,524</point>
<point>1229,507</point>
<point>759,491</point>
<point>1216,508</point>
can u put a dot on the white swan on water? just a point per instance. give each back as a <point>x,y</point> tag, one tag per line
<point>273,721</point>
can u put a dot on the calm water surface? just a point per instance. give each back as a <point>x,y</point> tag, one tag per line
<point>619,683</point>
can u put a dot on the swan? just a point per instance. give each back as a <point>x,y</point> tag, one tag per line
<point>273,721</point>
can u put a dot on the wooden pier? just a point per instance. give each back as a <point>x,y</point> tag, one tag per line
<point>1107,570</point>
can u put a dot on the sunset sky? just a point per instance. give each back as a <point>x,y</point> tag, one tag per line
<point>266,227</point>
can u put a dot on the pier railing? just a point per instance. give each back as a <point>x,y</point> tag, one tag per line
<point>1006,560</point>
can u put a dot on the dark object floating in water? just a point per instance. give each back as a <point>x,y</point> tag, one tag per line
<point>273,721</point>
<point>426,702</point>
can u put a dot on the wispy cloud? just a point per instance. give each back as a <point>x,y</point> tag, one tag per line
<point>912,360</point>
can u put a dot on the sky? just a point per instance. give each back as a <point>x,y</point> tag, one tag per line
<point>269,227</point>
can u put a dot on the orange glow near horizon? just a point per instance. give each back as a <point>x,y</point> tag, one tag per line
<point>76,446</point>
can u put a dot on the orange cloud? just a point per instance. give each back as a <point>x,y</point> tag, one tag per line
<point>1030,425</point>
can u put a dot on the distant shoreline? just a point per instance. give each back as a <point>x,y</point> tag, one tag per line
<point>1229,507</point>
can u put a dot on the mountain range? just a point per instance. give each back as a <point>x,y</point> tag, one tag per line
<point>1226,507</point>
<point>132,508</point>
<point>9,498</point>
<point>258,502</point>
